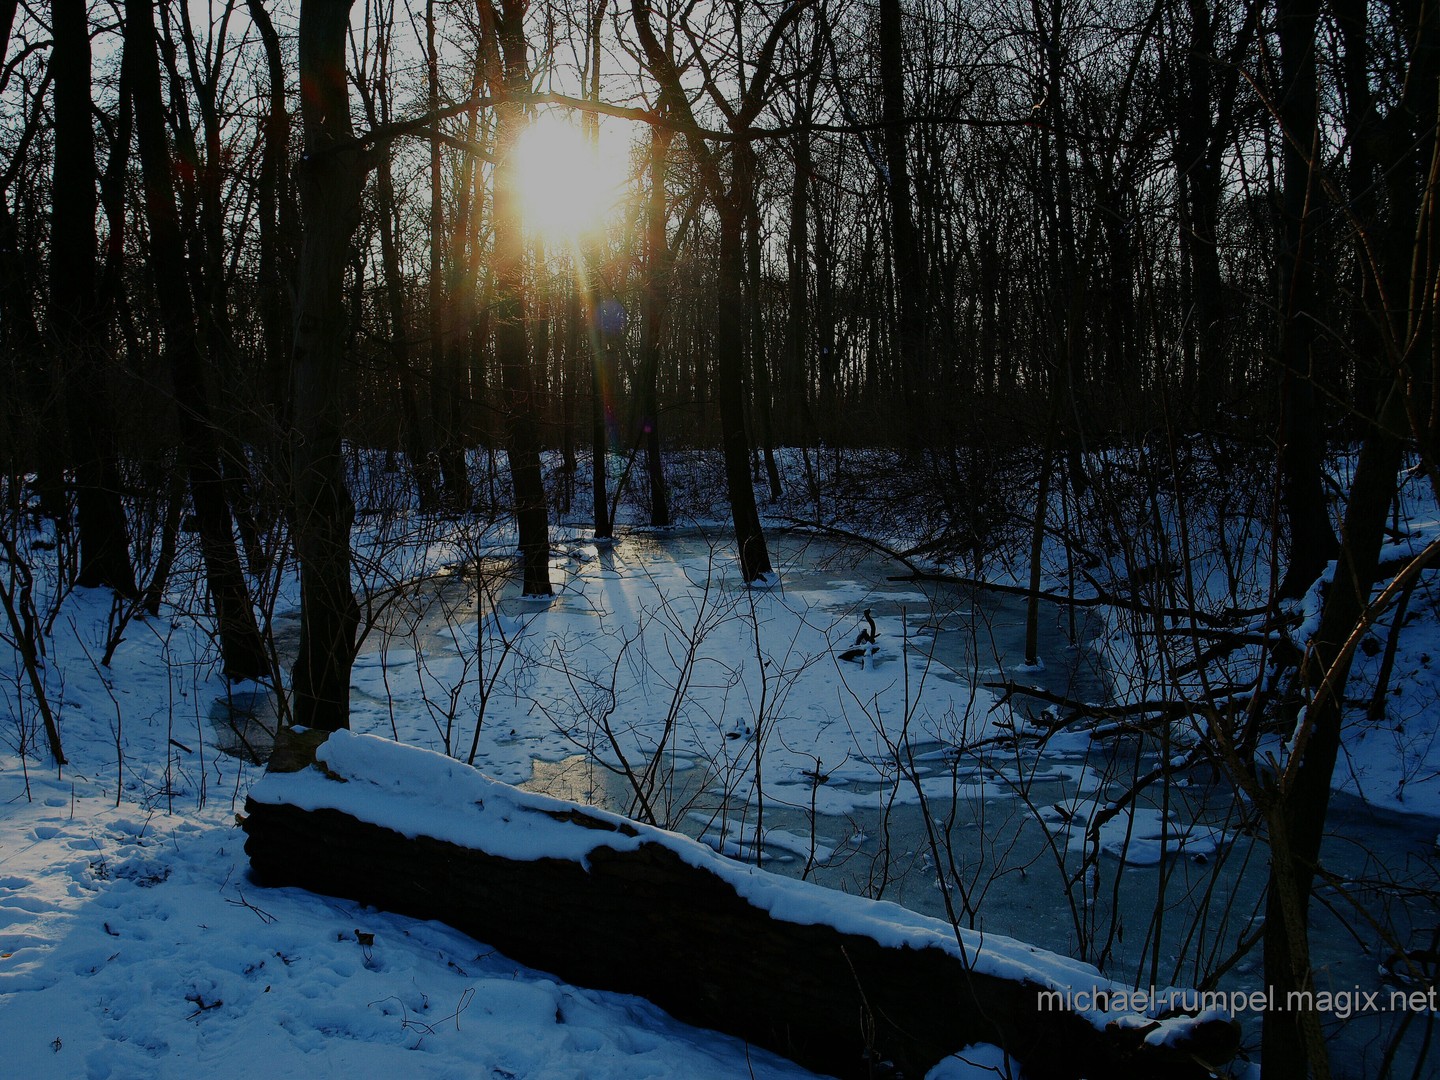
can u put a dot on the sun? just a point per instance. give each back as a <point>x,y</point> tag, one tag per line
<point>567,186</point>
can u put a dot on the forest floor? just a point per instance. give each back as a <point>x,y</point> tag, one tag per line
<point>132,943</point>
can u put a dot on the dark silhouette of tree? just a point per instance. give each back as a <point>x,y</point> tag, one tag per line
<point>278,231</point>
<point>1389,204</point>
<point>507,71</point>
<point>655,300</point>
<point>732,203</point>
<point>1311,536</point>
<point>444,356</point>
<point>76,337</point>
<point>911,296</point>
<point>330,179</point>
<point>414,423</point>
<point>241,649</point>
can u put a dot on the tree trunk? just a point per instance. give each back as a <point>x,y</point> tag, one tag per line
<point>1206,369</point>
<point>506,32</point>
<point>910,274</point>
<point>1290,1039</point>
<point>730,391</point>
<point>414,429</point>
<point>26,422</point>
<point>330,179</point>
<point>27,414</point>
<point>75,332</point>
<point>827,358</point>
<point>450,441</point>
<point>241,647</point>
<point>796,379</point>
<point>1037,548</point>
<point>1393,332</point>
<point>278,228</point>
<point>602,370</point>
<point>1312,538</point>
<point>569,391</point>
<point>415,436</point>
<point>655,301</point>
<point>212,294</point>
<point>606,315</point>
<point>731,206</point>
<point>169,540</point>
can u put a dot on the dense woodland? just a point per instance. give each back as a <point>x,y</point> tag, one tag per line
<point>240,240</point>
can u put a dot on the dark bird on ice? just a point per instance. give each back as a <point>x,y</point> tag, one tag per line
<point>864,641</point>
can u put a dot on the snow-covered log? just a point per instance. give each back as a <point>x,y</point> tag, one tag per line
<point>840,984</point>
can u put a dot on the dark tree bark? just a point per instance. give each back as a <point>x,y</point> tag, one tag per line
<point>7,24</point>
<point>1292,1043</point>
<point>606,316</point>
<point>654,301</point>
<point>601,373</point>
<point>1391,155</point>
<point>988,264</point>
<point>1204,123</point>
<point>414,429</point>
<point>911,277</point>
<point>113,303</point>
<point>29,416</point>
<point>21,346</point>
<point>569,390</point>
<point>730,389</point>
<point>450,441</point>
<point>796,372</point>
<point>1068,318</point>
<point>827,357</point>
<point>75,331</point>
<point>207,65</point>
<point>278,229</point>
<point>465,335</point>
<point>604,313</point>
<point>731,204</point>
<point>1312,537</point>
<point>169,542</point>
<point>330,180</point>
<point>241,648</point>
<point>509,74</point>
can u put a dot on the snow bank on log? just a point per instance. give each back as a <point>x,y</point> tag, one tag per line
<point>417,792</point>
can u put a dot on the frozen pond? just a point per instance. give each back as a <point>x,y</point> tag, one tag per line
<point>655,685</point>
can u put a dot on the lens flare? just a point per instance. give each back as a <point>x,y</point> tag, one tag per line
<point>568,187</point>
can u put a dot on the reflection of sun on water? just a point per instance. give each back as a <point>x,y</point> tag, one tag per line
<point>567,186</point>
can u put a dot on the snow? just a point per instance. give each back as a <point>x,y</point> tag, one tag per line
<point>655,649</point>
<point>420,793</point>
<point>1144,837</point>
<point>132,943</point>
<point>1393,763</point>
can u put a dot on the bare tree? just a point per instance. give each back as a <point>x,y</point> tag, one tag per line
<point>507,71</point>
<point>75,332</point>
<point>330,179</point>
<point>241,648</point>
<point>732,202</point>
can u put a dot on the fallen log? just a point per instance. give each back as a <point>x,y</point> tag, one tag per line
<point>842,985</point>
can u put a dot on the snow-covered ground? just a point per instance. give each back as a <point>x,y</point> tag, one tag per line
<point>131,942</point>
